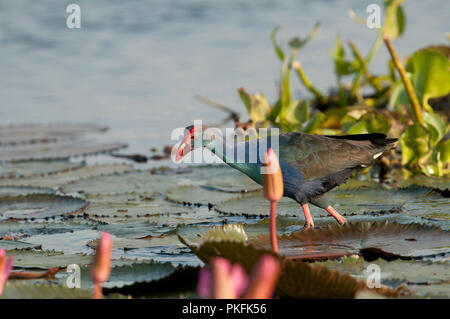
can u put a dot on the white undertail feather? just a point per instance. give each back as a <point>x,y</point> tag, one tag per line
<point>377,155</point>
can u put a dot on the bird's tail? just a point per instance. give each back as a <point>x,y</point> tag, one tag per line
<point>378,139</point>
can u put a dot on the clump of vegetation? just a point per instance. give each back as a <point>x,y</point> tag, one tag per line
<point>399,102</point>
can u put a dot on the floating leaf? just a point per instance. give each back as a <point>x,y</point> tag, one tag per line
<point>35,133</point>
<point>23,290</point>
<point>137,228</point>
<point>231,232</point>
<point>168,220</point>
<point>297,279</point>
<point>131,205</point>
<point>57,180</point>
<point>348,202</point>
<point>142,182</point>
<point>39,206</point>
<point>195,234</point>
<point>19,229</point>
<point>219,177</point>
<point>21,190</point>
<point>395,271</point>
<point>57,150</point>
<point>127,243</point>
<point>36,259</point>
<point>198,195</point>
<point>72,242</point>
<point>140,277</point>
<point>15,244</point>
<point>36,168</point>
<point>388,240</point>
<point>438,291</point>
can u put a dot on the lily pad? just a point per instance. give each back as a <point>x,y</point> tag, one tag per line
<point>44,133</point>
<point>131,205</point>
<point>136,229</point>
<point>372,240</point>
<point>297,279</point>
<point>438,291</point>
<point>399,271</point>
<point>348,203</point>
<point>68,242</point>
<point>169,220</point>
<point>36,168</point>
<point>20,229</point>
<point>39,206</point>
<point>222,178</point>
<point>25,290</point>
<point>15,244</point>
<point>36,259</point>
<point>199,195</point>
<point>142,182</point>
<point>59,179</point>
<point>150,241</point>
<point>20,190</point>
<point>135,275</point>
<point>57,150</point>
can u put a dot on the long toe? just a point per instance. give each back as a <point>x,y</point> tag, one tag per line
<point>340,219</point>
<point>308,226</point>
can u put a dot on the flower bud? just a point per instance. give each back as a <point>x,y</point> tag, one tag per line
<point>272,178</point>
<point>102,261</point>
<point>5,269</point>
<point>264,278</point>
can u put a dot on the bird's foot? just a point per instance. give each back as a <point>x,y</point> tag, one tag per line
<point>340,219</point>
<point>308,226</point>
<point>309,221</point>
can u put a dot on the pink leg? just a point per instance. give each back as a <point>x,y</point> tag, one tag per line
<point>309,221</point>
<point>341,220</point>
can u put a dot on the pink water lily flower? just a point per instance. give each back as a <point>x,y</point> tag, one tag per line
<point>272,181</point>
<point>222,280</point>
<point>102,264</point>
<point>5,269</point>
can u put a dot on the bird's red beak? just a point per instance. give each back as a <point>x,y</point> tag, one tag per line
<point>185,146</point>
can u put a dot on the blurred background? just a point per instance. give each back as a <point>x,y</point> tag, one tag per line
<point>136,66</point>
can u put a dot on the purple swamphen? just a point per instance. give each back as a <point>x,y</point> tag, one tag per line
<point>311,164</point>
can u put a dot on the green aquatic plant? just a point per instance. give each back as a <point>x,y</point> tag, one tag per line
<point>426,75</point>
<point>347,110</point>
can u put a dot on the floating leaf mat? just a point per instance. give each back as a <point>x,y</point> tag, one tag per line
<point>26,290</point>
<point>36,168</point>
<point>199,195</point>
<point>20,190</point>
<point>142,182</point>
<point>296,280</point>
<point>39,206</point>
<point>60,179</point>
<point>35,133</point>
<point>57,150</point>
<point>372,240</point>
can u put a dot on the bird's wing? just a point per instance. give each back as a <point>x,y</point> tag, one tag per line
<point>318,156</point>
